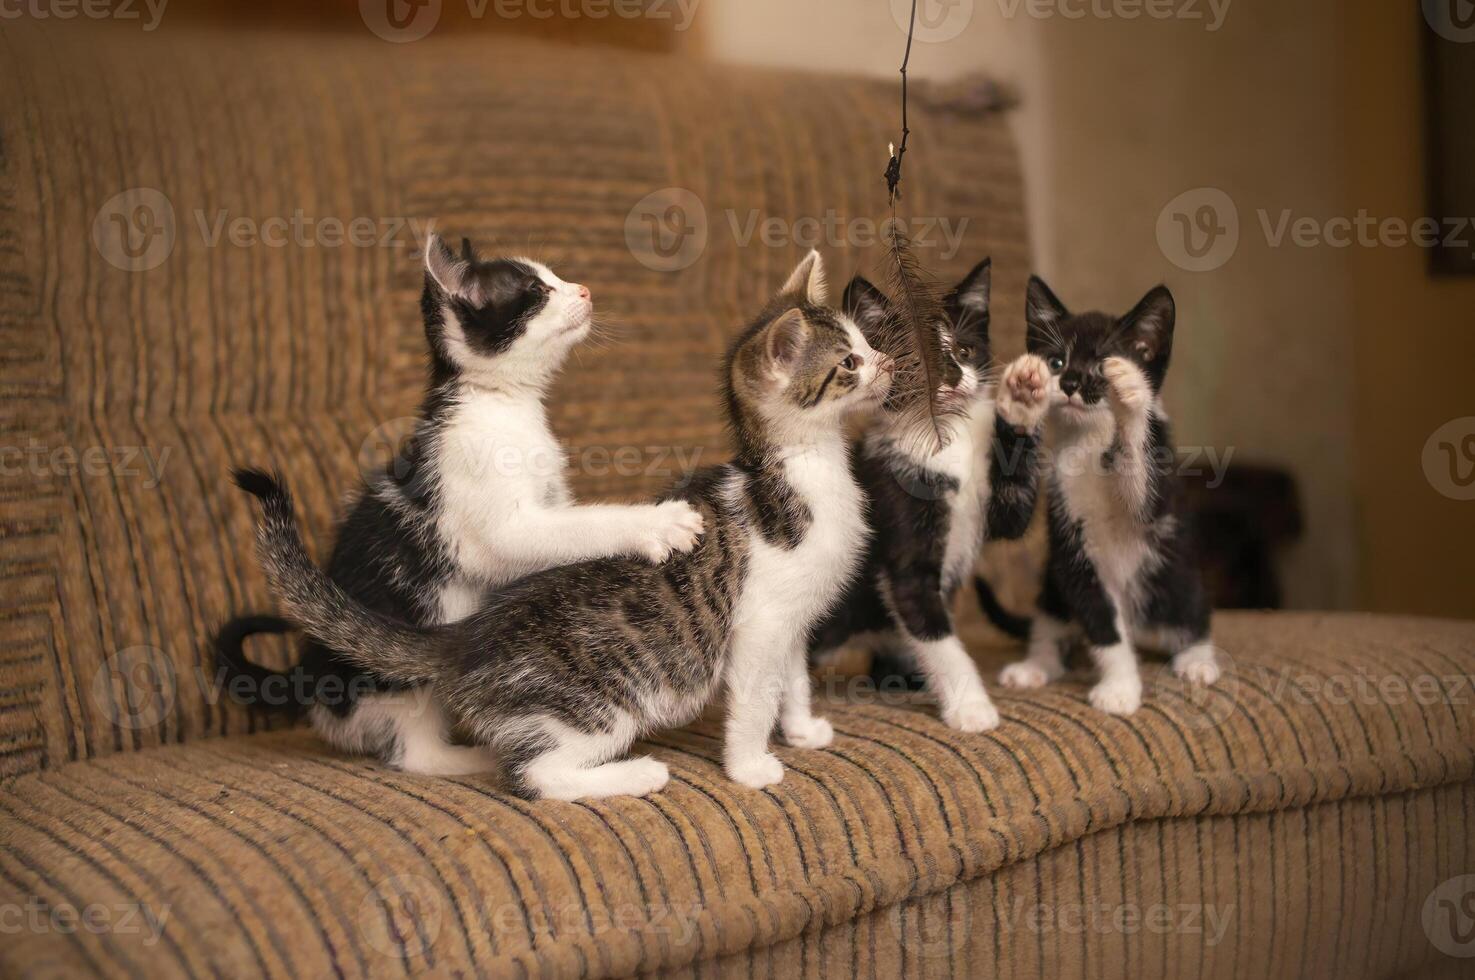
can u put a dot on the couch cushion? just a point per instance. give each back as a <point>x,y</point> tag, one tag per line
<point>271,853</point>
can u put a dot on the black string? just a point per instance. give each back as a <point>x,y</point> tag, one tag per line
<point>893,167</point>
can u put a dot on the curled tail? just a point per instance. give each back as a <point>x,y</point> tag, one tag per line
<point>230,655</point>
<point>319,607</point>
<point>1015,626</point>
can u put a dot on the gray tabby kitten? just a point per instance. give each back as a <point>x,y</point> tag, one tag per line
<point>560,672</point>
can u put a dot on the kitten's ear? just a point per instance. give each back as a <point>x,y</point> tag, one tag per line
<point>1149,327</point>
<point>867,306</point>
<point>972,294</point>
<point>783,340</point>
<point>448,271</point>
<point>1043,312</point>
<point>807,281</point>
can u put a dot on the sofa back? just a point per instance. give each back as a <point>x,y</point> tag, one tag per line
<point>211,258</point>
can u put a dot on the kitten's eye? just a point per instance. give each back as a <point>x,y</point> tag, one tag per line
<point>851,362</point>
<point>965,351</point>
<point>1057,363</point>
<point>538,286</point>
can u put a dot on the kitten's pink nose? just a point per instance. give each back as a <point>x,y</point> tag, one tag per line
<point>583,292</point>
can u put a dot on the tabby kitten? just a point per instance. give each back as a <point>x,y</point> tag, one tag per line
<point>933,508</point>
<point>1122,566</point>
<point>476,499</point>
<point>560,672</point>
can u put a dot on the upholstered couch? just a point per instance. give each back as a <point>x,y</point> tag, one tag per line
<point>1294,822</point>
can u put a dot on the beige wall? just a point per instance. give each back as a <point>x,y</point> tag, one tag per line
<point>1119,117</point>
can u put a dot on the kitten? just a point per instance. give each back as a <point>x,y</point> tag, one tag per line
<point>1122,567</point>
<point>932,510</point>
<point>477,499</point>
<point>559,673</point>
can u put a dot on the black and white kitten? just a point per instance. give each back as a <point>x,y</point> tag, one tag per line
<point>1122,567</point>
<point>560,672</point>
<point>477,499</point>
<point>931,510</point>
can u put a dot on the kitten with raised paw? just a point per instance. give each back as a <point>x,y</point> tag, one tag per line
<point>1122,567</point>
<point>932,508</point>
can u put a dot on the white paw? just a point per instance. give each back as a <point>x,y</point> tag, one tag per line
<point>757,770</point>
<point>1127,384</point>
<point>1197,670</point>
<point>1117,695</point>
<point>1024,675</point>
<point>812,732</point>
<point>647,776</point>
<point>675,526</point>
<point>1024,392</point>
<point>972,715</point>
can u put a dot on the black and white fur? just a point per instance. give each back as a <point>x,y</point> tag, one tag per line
<point>477,499</point>
<point>559,673</point>
<point>1122,567</point>
<point>931,510</point>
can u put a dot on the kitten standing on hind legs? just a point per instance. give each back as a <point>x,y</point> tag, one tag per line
<point>1122,566</point>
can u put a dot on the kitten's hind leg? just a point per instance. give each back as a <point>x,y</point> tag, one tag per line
<point>566,764</point>
<point>1044,662</point>
<point>802,728</point>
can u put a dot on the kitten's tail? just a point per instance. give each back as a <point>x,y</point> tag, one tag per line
<point>319,606</point>
<point>1008,622</point>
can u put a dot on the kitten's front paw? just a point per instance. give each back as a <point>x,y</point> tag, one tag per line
<point>972,715</point>
<point>812,732</point>
<point>675,526</point>
<point>757,770</point>
<point>1117,695</point>
<point>1024,392</point>
<point>1127,384</point>
<point>647,776</point>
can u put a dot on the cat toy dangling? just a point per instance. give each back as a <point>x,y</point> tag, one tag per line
<point>912,330</point>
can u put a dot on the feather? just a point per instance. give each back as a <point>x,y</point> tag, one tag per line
<point>912,334</point>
